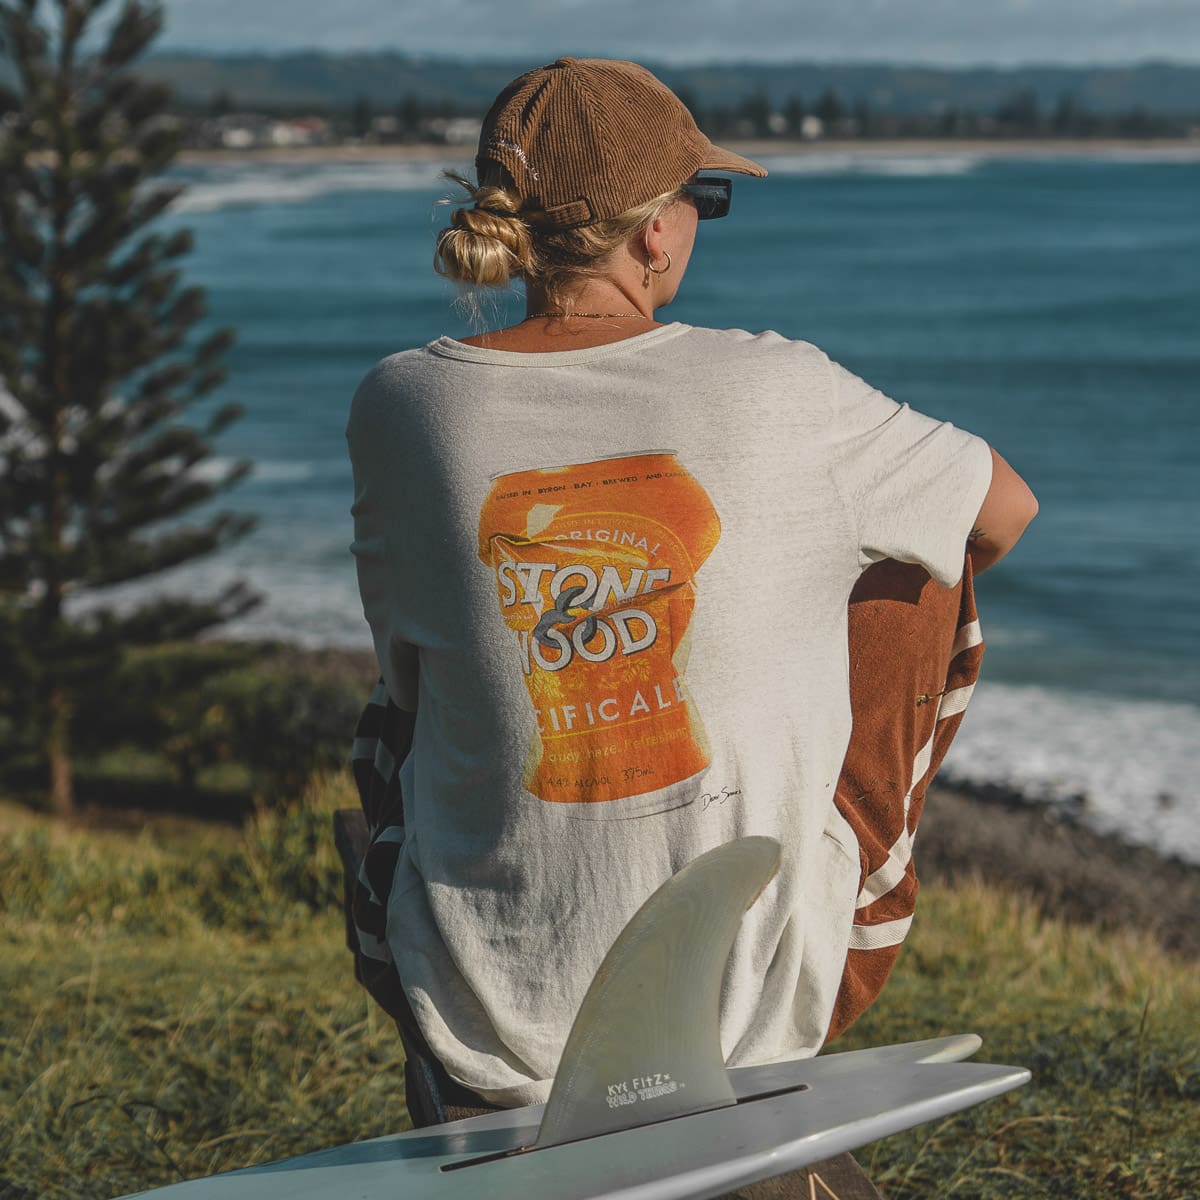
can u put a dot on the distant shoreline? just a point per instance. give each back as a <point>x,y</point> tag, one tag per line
<point>1183,149</point>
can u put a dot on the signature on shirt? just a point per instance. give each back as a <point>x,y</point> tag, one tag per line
<point>726,793</point>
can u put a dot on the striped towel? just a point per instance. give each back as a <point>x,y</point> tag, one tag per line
<point>381,741</point>
<point>915,653</point>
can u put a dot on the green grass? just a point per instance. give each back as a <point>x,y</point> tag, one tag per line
<point>1108,1024</point>
<point>179,1001</point>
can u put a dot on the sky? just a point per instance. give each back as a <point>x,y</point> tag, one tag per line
<point>943,32</point>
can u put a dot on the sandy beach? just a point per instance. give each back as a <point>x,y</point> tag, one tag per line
<point>1182,149</point>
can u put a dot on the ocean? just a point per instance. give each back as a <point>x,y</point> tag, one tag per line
<point>1049,303</point>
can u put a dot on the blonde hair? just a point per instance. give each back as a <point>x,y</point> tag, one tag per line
<point>495,240</point>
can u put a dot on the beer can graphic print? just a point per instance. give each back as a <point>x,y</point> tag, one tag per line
<point>595,567</point>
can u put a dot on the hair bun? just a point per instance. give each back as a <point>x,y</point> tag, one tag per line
<point>488,244</point>
<point>488,222</point>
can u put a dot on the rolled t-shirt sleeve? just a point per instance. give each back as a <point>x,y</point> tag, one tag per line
<point>914,485</point>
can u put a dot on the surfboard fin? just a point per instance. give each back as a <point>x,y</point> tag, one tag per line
<point>646,1043</point>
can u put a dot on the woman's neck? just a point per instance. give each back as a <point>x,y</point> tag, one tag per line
<point>541,335</point>
<point>593,316</point>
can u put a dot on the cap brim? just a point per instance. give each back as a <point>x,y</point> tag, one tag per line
<point>720,159</point>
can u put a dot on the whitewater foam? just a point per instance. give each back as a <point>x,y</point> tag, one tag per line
<point>221,187</point>
<point>853,163</point>
<point>1122,767</point>
<point>267,471</point>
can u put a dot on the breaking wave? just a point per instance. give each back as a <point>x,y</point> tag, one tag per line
<point>222,186</point>
<point>1122,767</point>
<point>820,162</point>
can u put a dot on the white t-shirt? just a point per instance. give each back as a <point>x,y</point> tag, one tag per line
<point>612,583</point>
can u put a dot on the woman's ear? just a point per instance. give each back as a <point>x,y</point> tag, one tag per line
<point>652,239</point>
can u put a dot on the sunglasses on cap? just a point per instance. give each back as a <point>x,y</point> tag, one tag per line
<point>710,196</point>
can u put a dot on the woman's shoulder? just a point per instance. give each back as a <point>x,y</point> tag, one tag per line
<point>762,352</point>
<point>753,341</point>
<point>388,393</point>
<point>394,375</point>
<point>398,365</point>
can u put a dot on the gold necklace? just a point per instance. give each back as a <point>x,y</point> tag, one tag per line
<point>599,316</point>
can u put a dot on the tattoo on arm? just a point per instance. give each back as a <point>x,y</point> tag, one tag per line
<point>975,535</point>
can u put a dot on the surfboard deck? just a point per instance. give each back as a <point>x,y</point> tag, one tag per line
<point>788,1115</point>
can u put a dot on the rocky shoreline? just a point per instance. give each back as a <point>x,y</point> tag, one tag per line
<point>1068,870</point>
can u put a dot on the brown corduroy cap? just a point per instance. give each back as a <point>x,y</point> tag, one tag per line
<point>586,139</point>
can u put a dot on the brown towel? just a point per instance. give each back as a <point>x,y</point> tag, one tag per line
<point>915,652</point>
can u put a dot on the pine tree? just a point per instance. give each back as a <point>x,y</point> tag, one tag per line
<point>361,116</point>
<point>830,109</point>
<point>100,356</point>
<point>794,113</point>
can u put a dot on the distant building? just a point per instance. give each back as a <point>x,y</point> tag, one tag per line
<point>239,137</point>
<point>386,128</point>
<point>453,131</point>
<point>305,131</point>
<point>237,131</point>
<point>254,131</point>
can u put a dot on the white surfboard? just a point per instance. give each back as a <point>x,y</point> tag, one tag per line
<point>642,1106</point>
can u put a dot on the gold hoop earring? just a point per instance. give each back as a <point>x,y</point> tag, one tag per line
<point>658,270</point>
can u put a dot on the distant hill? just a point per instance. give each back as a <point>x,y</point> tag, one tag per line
<point>317,80</point>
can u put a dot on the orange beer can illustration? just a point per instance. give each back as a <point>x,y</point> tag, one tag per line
<point>595,567</point>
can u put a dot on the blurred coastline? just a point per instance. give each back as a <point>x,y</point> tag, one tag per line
<point>1184,148</point>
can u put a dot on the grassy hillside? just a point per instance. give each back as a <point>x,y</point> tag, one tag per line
<point>179,1001</point>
